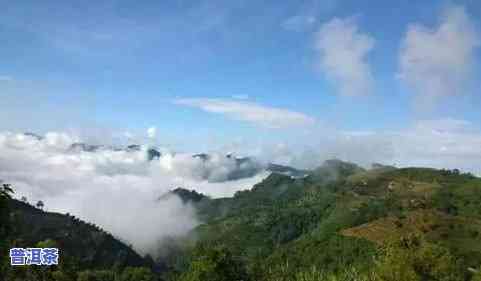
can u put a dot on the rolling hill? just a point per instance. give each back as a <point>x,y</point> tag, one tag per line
<point>336,222</point>
<point>339,216</point>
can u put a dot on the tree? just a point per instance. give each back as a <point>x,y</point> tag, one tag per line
<point>215,263</point>
<point>24,199</point>
<point>60,276</point>
<point>137,274</point>
<point>96,275</point>
<point>40,204</point>
<point>5,225</point>
<point>5,190</point>
<point>48,243</point>
<point>476,274</point>
<point>414,259</point>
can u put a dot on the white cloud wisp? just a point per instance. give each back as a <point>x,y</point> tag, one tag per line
<point>264,116</point>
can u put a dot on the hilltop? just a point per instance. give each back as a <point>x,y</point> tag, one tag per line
<point>338,216</point>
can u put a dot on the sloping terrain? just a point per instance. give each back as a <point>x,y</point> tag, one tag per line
<point>338,216</point>
<point>88,244</point>
<point>460,234</point>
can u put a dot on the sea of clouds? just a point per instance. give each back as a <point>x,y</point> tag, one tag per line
<point>116,189</point>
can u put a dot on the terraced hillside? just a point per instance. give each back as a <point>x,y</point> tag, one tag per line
<point>339,216</point>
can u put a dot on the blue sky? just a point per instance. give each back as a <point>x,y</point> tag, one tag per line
<point>211,72</point>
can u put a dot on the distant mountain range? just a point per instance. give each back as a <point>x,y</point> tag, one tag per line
<point>246,167</point>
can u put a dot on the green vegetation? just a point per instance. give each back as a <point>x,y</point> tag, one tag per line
<point>215,263</point>
<point>5,227</point>
<point>340,222</point>
<point>87,252</point>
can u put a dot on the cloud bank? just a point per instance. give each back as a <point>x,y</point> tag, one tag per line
<point>440,143</point>
<point>269,117</point>
<point>437,62</point>
<point>115,189</point>
<point>343,51</point>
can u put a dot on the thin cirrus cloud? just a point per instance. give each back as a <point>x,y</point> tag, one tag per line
<point>299,22</point>
<point>436,62</point>
<point>269,117</point>
<point>343,51</point>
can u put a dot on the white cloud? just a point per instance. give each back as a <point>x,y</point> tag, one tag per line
<point>269,117</point>
<point>436,62</point>
<point>445,143</point>
<point>116,189</point>
<point>127,184</point>
<point>442,143</point>
<point>343,51</point>
<point>444,125</point>
<point>152,132</point>
<point>299,22</point>
<point>307,14</point>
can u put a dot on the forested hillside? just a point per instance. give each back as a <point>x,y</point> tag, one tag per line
<point>87,252</point>
<point>338,222</point>
<point>341,222</point>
